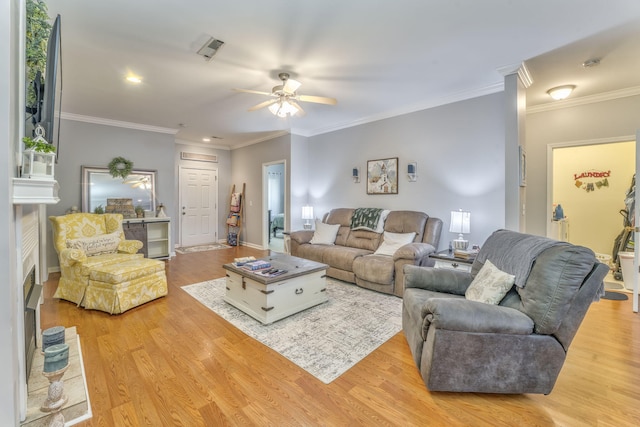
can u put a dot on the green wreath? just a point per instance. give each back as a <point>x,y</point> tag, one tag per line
<point>120,167</point>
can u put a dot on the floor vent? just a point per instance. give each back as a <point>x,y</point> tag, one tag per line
<point>199,157</point>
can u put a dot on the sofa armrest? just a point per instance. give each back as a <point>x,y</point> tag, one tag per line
<point>437,279</point>
<point>69,257</point>
<point>129,246</point>
<point>457,314</point>
<point>414,251</point>
<point>301,236</point>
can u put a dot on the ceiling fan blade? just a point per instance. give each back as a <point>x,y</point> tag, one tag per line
<point>253,91</point>
<point>263,104</point>
<point>317,99</point>
<point>300,112</point>
<point>290,86</point>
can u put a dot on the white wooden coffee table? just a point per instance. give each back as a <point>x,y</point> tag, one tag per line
<point>268,299</point>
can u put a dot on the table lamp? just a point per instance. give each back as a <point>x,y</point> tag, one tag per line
<point>461,224</point>
<point>307,215</point>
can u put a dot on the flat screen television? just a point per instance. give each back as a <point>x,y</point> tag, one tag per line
<point>50,91</point>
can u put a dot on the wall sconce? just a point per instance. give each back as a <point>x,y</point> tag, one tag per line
<point>412,172</point>
<point>461,224</point>
<point>307,215</point>
<point>355,174</point>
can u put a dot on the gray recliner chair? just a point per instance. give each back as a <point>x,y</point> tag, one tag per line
<point>516,346</point>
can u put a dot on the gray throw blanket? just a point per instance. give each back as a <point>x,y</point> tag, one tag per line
<point>522,253</point>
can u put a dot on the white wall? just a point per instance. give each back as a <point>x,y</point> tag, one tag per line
<point>459,149</point>
<point>594,218</point>
<point>602,121</point>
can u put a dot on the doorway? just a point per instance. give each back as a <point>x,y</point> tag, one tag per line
<point>198,206</point>
<point>275,215</point>
<point>590,182</point>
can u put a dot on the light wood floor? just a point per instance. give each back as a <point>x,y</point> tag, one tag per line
<point>174,362</point>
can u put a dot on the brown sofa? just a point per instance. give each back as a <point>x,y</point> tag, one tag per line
<point>352,257</point>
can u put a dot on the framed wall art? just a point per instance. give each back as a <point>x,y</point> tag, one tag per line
<point>382,176</point>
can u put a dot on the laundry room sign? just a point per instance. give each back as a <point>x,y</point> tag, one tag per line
<point>592,180</point>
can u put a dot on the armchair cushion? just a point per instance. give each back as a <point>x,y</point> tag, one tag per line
<point>457,314</point>
<point>96,245</point>
<point>490,285</point>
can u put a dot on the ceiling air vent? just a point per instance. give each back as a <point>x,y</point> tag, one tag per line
<point>210,48</point>
<point>199,157</point>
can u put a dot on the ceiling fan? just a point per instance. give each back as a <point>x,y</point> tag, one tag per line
<point>285,99</point>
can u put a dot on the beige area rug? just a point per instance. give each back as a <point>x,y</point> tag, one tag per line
<point>325,340</point>
<point>201,248</point>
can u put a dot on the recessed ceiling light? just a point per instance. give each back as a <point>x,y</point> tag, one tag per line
<point>561,92</point>
<point>206,139</point>
<point>134,79</point>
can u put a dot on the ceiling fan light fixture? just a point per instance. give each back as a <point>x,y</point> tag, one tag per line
<point>283,108</point>
<point>561,92</point>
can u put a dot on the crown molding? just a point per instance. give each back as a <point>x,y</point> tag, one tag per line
<point>585,100</point>
<point>117,123</point>
<point>261,139</point>
<point>460,96</point>
<point>521,70</point>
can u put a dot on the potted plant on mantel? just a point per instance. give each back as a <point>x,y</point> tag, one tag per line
<point>38,158</point>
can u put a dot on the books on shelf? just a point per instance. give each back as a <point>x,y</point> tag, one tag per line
<point>256,265</point>
<point>465,254</point>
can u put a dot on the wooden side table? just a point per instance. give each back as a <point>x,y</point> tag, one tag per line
<point>287,242</point>
<point>445,259</point>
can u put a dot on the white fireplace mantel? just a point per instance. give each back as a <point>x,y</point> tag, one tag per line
<point>28,191</point>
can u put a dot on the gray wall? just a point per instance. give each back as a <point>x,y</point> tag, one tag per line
<point>96,145</point>
<point>246,167</point>
<point>604,121</point>
<point>460,153</point>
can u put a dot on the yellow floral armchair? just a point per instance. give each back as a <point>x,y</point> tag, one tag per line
<point>99,268</point>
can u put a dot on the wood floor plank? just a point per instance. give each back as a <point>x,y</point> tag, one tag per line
<point>173,362</point>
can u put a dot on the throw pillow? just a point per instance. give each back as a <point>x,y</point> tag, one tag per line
<point>102,244</point>
<point>325,234</point>
<point>490,285</point>
<point>394,241</point>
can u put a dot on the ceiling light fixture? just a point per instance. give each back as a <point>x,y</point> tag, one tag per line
<point>284,108</point>
<point>134,79</point>
<point>561,92</point>
<point>206,139</point>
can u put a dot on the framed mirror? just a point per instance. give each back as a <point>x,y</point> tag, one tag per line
<point>98,185</point>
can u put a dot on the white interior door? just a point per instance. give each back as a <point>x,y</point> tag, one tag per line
<point>198,206</point>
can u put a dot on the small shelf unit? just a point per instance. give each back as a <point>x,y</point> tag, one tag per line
<point>154,233</point>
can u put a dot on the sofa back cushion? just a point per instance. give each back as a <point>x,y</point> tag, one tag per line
<point>553,282</point>
<point>340,216</point>
<point>402,222</point>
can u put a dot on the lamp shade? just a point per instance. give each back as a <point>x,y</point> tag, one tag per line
<point>307,212</point>
<point>460,222</point>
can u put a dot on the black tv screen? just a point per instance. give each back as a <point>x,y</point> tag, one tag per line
<point>52,85</point>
